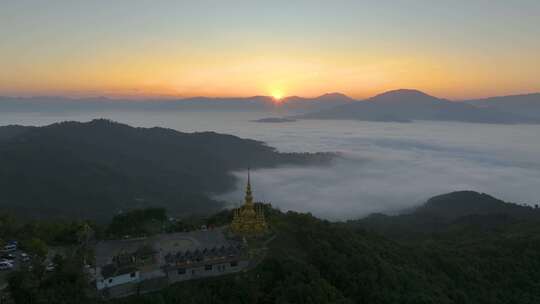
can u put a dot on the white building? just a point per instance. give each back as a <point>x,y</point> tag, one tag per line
<point>135,266</point>
<point>105,280</point>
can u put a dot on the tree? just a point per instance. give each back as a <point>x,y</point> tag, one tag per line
<point>36,248</point>
<point>138,222</point>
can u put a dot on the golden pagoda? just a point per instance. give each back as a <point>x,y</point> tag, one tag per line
<point>249,218</point>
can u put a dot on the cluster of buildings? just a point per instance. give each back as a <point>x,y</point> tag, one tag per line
<point>135,266</point>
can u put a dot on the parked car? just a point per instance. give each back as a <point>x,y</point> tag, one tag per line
<point>24,257</point>
<point>9,247</point>
<point>50,267</point>
<point>8,256</point>
<point>5,265</point>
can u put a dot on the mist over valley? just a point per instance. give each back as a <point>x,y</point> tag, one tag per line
<point>383,166</point>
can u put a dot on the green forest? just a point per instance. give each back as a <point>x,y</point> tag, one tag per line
<point>487,252</point>
<point>316,261</point>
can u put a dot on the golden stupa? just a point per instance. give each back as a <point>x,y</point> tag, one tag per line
<point>249,218</point>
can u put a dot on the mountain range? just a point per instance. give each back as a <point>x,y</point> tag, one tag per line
<point>97,168</point>
<point>402,105</point>
<point>409,105</point>
<point>291,104</point>
<point>525,105</point>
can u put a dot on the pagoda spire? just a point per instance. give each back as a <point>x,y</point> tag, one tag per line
<point>249,196</point>
<point>249,218</point>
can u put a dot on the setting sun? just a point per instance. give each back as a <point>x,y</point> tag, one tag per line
<point>277,95</point>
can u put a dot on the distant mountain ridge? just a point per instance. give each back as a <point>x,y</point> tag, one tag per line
<point>525,104</point>
<point>291,104</point>
<point>406,105</point>
<point>403,105</point>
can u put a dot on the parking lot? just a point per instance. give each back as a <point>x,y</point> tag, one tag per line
<point>17,260</point>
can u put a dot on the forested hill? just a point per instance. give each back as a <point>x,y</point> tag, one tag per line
<point>309,260</point>
<point>93,169</point>
<point>316,261</point>
<point>447,213</point>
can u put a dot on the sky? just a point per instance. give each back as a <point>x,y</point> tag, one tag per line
<point>454,49</point>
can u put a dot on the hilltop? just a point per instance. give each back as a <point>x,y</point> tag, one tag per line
<point>316,261</point>
<point>97,168</point>
<point>445,213</point>
<point>309,260</point>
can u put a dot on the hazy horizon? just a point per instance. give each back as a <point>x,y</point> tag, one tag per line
<point>457,50</point>
<point>179,97</point>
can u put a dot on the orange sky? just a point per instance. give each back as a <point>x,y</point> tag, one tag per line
<point>171,49</point>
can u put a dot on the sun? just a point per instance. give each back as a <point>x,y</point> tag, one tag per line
<point>277,94</point>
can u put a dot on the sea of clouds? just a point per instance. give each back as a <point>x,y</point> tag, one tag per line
<point>391,167</point>
<point>386,167</point>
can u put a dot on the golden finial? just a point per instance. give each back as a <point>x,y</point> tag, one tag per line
<point>249,196</point>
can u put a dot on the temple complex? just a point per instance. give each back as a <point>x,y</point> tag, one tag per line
<point>249,218</point>
<point>134,266</point>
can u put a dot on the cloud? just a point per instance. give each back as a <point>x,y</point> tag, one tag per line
<point>384,172</point>
<point>387,166</point>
